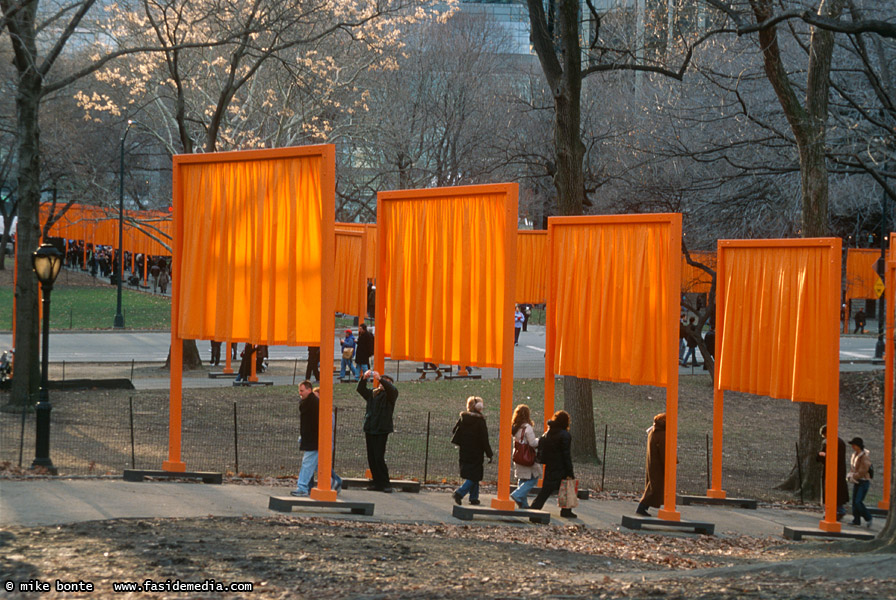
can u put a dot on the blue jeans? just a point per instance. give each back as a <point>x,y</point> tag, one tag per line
<point>522,491</point>
<point>859,510</point>
<point>307,471</point>
<point>351,367</point>
<point>691,353</point>
<point>309,468</point>
<point>469,486</point>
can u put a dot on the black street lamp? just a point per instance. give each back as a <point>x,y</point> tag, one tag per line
<point>119,316</point>
<point>46,262</point>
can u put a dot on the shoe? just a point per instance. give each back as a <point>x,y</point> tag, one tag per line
<point>458,499</point>
<point>438,375</point>
<point>567,513</point>
<point>868,524</point>
<point>299,494</point>
<point>856,523</point>
<point>643,513</point>
<point>338,486</point>
<point>422,376</point>
<point>477,503</point>
<point>519,503</point>
<point>387,490</point>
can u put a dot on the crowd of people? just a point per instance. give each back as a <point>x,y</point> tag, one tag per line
<point>102,261</point>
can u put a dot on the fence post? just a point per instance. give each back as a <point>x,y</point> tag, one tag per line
<point>63,375</point>
<point>22,434</point>
<point>708,464</point>
<point>426,454</point>
<point>132,369</point>
<point>236,444</point>
<point>131,410</point>
<point>397,370</point>
<point>294,369</point>
<point>335,423</point>
<point>799,470</point>
<point>71,318</point>
<point>603,467</point>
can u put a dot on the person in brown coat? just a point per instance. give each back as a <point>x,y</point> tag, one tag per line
<point>842,486</point>
<point>656,466</point>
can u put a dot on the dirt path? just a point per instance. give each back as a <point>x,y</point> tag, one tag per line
<point>289,557</point>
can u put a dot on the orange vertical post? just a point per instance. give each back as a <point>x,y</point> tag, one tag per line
<point>503,501</point>
<point>718,395</point>
<point>672,309</point>
<point>253,376</point>
<point>323,490</point>
<point>550,332</point>
<point>362,280</point>
<point>888,378</point>
<point>379,341</point>
<point>831,314</point>
<point>174,462</point>
<point>227,367</point>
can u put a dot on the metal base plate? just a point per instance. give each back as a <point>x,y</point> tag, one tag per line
<point>140,474</point>
<point>403,485</point>
<point>466,513</point>
<point>798,533</point>
<point>287,503</point>
<point>637,522</point>
<point>741,502</point>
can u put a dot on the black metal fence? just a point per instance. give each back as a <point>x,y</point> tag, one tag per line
<point>259,437</point>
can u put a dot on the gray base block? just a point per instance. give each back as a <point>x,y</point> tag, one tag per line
<point>583,494</point>
<point>878,512</point>
<point>251,383</point>
<point>287,503</point>
<point>140,474</point>
<point>741,502</point>
<point>466,513</point>
<point>798,533</point>
<point>463,376</point>
<point>637,522</point>
<point>403,485</point>
<point>221,375</point>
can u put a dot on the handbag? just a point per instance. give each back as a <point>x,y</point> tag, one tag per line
<point>568,494</point>
<point>523,453</point>
<point>347,352</point>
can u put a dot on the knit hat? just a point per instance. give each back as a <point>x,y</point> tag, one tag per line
<point>857,441</point>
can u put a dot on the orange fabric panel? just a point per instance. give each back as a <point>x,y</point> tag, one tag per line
<point>609,295</point>
<point>348,277</point>
<point>531,267</point>
<point>250,268</point>
<point>694,279</point>
<point>442,279</point>
<point>860,273</point>
<point>778,318</point>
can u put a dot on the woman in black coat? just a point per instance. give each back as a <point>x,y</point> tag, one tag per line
<point>557,459</point>
<point>471,435</point>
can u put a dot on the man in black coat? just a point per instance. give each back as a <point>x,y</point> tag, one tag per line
<point>313,367</point>
<point>842,486</point>
<point>378,424</point>
<point>555,447</point>
<point>364,349</point>
<point>309,414</point>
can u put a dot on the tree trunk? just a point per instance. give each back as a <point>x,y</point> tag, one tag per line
<point>190,357</point>
<point>578,402</point>
<point>26,378</point>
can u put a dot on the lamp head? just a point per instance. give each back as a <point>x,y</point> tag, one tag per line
<point>46,262</point>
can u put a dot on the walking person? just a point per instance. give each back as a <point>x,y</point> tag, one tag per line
<point>842,485</point>
<point>364,349</point>
<point>523,431</point>
<point>245,363</point>
<point>656,466</point>
<point>860,321</point>
<point>691,339</point>
<point>216,353</point>
<point>557,460</point>
<point>348,345</point>
<point>309,420</point>
<point>313,367</point>
<point>471,436</point>
<point>860,477</point>
<point>378,425</point>
<point>518,319</point>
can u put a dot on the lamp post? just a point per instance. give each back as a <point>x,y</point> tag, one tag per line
<point>46,262</point>
<point>119,317</point>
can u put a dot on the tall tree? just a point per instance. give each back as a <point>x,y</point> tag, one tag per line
<point>556,35</point>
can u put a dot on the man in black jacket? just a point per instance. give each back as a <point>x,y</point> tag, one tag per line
<point>378,425</point>
<point>309,414</point>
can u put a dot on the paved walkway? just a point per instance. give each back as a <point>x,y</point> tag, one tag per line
<point>57,501</point>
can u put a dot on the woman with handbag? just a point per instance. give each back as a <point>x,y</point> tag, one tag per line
<point>471,435</point>
<point>557,459</point>
<point>524,443</point>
